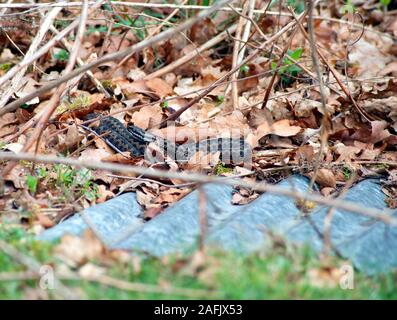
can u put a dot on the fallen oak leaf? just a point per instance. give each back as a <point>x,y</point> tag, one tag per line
<point>94,154</point>
<point>159,87</point>
<point>7,124</point>
<point>147,116</point>
<point>325,178</point>
<point>103,194</point>
<point>76,251</point>
<point>73,137</point>
<point>281,128</point>
<point>379,131</point>
<point>346,153</point>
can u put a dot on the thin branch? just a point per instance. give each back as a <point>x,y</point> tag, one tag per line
<point>34,266</point>
<point>192,54</point>
<point>155,31</point>
<point>325,121</point>
<point>335,74</point>
<point>203,222</point>
<point>114,283</point>
<point>54,101</point>
<point>46,47</point>
<point>177,114</point>
<point>17,78</point>
<point>235,56</point>
<point>40,6</point>
<point>327,245</point>
<point>115,56</point>
<point>200,178</point>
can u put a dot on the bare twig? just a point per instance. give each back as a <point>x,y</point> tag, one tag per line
<point>40,6</point>
<point>150,172</point>
<point>115,56</point>
<point>155,31</point>
<point>177,114</point>
<point>235,56</point>
<point>16,80</point>
<point>279,64</point>
<point>4,10</point>
<point>54,101</point>
<point>43,50</point>
<point>202,205</point>
<point>34,267</point>
<point>325,121</point>
<point>192,54</point>
<point>114,283</point>
<point>335,74</point>
<point>327,245</point>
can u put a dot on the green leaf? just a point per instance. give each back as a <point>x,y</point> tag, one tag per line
<point>220,99</point>
<point>296,54</point>
<point>220,168</point>
<point>152,13</point>
<point>293,70</point>
<point>244,68</point>
<point>32,183</point>
<point>5,66</point>
<point>62,55</point>
<point>348,8</point>
<point>385,2</point>
<point>164,105</point>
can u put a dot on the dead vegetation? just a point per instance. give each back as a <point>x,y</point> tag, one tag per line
<point>312,88</point>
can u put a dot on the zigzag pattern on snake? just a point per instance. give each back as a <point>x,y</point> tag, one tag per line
<point>135,140</point>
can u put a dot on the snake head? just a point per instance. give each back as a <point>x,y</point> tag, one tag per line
<point>90,116</point>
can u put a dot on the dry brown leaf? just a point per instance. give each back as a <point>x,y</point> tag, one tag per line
<point>90,155</point>
<point>104,194</point>
<point>346,153</point>
<point>130,89</point>
<point>390,68</point>
<point>281,128</point>
<point>73,137</point>
<point>202,160</point>
<point>327,191</point>
<point>325,178</point>
<point>7,124</point>
<point>324,277</point>
<point>369,58</point>
<point>14,147</point>
<point>28,86</point>
<point>171,195</point>
<point>17,176</point>
<point>379,131</point>
<point>75,251</point>
<point>147,117</point>
<point>144,199</point>
<point>152,212</point>
<point>136,74</point>
<point>258,117</point>
<point>305,154</point>
<point>44,220</point>
<point>251,82</point>
<point>203,31</point>
<point>123,158</point>
<point>159,87</point>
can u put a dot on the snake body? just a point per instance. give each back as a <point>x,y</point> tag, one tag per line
<point>136,140</point>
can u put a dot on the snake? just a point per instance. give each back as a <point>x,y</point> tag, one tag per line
<point>136,140</point>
